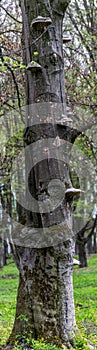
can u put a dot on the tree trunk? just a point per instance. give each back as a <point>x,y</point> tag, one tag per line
<point>45,304</point>
<point>82,254</point>
<point>89,246</point>
<point>95,242</point>
<point>5,257</point>
<point>1,257</point>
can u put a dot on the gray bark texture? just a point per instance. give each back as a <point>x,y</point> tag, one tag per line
<point>45,303</point>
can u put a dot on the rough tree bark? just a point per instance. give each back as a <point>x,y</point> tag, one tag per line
<point>82,255</point>
<point>45,303</point>
<point>82,240</point>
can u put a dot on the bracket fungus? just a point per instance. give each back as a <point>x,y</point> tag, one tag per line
<point>72,192</point>
<point>64,119</point>
<point>34,66</point>
<point>41,22</point>
<point>66,39</point>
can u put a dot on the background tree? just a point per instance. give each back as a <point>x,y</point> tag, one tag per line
<point>12,98</point>
<point>81,55</point>
<point>81,80</point>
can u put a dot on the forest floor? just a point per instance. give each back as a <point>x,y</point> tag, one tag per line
<point>85,294</point>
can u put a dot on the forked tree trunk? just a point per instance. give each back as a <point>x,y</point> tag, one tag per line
<point>45,304</point>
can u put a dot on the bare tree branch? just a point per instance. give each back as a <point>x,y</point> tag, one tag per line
<point>15,81</point>
<point>15,19</point>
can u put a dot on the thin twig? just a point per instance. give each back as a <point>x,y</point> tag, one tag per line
<point>15,19</point>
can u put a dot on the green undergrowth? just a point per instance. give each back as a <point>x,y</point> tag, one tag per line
<point>39,345</point>
<point>85,295</point>
<point>8,291</point>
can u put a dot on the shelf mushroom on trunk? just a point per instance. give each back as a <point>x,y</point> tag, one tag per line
<point>63,120</point>
<point>70,193</point>
<point>41,22</point>
<point>34,66</point>
<point>66,39</point>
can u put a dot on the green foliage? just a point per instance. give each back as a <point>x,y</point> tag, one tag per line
<point>8,290</point>
<point>13,64</point>
<point>85,294</point>
<point>36,53</point>
<point>12,148</point>
<point>80,342</point>
<point>86,146</point>
<point>37,345</point>
<point>2,67</point>
<point>81,56</point>
<point>40,345</point>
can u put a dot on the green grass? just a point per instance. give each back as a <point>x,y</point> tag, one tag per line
<point>8,291</point>
<point>85,295</point>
